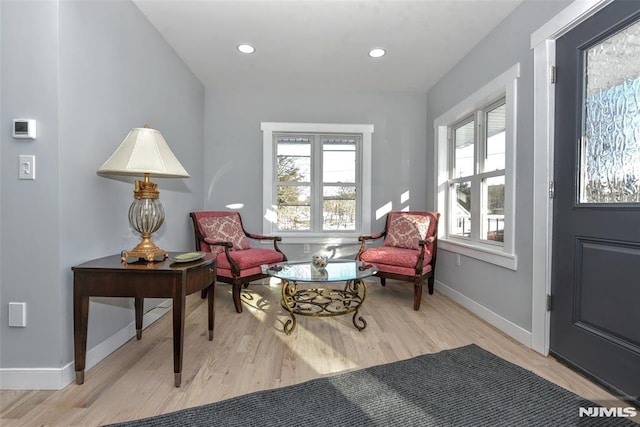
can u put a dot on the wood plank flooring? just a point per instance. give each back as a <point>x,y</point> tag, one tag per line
<point>250,353</point>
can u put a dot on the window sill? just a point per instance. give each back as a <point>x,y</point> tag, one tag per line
<point>483,253</point>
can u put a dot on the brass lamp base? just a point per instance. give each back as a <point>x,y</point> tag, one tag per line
<point>146,250</point>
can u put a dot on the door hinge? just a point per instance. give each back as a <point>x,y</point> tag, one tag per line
<point>552,189</point>
<point>549,302</point>
<point>554,77</point>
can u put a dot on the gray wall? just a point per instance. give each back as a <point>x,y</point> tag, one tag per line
<point>503,291</point>
<point>88,72</point>
<point>30,209</point>
<point>233,146</point>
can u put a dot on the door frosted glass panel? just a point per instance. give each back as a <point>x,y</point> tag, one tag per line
<point>610,152</point>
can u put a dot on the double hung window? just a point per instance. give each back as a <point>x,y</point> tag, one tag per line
<point>317,181</point>
<point>475,145</point>
<point>477,175</point>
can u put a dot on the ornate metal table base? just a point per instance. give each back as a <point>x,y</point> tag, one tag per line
<point>322,302</point>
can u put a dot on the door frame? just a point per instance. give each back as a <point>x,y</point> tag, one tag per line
<point>544,53</point>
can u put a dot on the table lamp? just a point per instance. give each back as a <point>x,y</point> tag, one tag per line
<point>144,152</point>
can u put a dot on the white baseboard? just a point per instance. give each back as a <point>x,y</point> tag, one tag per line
<point>514,331</point>
<point>59,378</point>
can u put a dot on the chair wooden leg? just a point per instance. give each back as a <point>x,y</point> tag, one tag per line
<point>203,293</point>
<point>236,296</point>
<point>430,282</point>
<point>383,281</point>
<point>417,294</point>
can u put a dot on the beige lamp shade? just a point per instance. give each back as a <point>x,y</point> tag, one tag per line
<point>144,151</point>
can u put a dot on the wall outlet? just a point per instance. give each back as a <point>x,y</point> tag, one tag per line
<point>306,249</point>
<point>18,314</point>
<point>457,260</point>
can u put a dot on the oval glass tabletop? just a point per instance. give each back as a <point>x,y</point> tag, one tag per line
<point>337,270</point>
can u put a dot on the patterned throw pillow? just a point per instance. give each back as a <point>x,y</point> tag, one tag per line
<point>405,230</point>
<point>224,229</point>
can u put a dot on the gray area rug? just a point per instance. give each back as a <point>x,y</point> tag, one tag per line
<point>466,386</point>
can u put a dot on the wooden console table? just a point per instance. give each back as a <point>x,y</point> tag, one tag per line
<point>109,277</point>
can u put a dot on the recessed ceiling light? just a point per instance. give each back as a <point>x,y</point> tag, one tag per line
<point>377,53</point>
<point>246,48</point>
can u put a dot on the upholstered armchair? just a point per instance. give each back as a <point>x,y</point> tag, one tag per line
<point>408,251</point>
<point>238,263</point>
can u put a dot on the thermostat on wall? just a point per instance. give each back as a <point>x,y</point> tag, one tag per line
<point>24,129</point>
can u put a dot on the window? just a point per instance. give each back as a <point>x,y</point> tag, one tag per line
<point>317,181</point>
<point>475,173</point>
<point>476,177</point>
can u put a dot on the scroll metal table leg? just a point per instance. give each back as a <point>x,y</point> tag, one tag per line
<point>354,286</point>
<point>289,289</point>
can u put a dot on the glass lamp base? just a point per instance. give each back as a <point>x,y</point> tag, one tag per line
<point>146,215</point>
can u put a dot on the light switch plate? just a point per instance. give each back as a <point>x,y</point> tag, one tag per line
<point>26,167</point>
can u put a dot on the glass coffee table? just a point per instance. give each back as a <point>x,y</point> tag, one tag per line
<point>323,301</point>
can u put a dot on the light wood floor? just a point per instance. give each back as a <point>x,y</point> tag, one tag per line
<point>250,352</point>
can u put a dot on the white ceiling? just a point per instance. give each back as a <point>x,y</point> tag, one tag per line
<point>324,44</point>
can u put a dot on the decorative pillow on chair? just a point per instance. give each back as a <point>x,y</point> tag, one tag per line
<point>224,229</point>
<point>406,230</point>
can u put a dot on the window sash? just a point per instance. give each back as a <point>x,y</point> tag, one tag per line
<point>475,177</point>
<point>321,144</point>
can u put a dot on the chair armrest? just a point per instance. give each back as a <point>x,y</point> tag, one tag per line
<point>263,237</point>
<point>235,268</point>
<point>363,241</point>
<point>423,246</point>
<point>428,241</point>
<point>372,237</point>
<point>275,240</point>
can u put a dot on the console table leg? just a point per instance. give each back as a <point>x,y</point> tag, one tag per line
<point>210,310</point>
<point>178,332</point>
<point>80,321</point>
<point>138,304</point>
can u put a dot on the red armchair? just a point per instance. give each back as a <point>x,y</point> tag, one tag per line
<point>237,262</point>
<point>408,252</point>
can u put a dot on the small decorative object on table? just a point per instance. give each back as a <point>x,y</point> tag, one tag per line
<point>187,257</point>
<point>319,261</point>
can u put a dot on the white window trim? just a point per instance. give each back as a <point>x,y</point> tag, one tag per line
<point>268,219</point>
<point>503,85</point>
